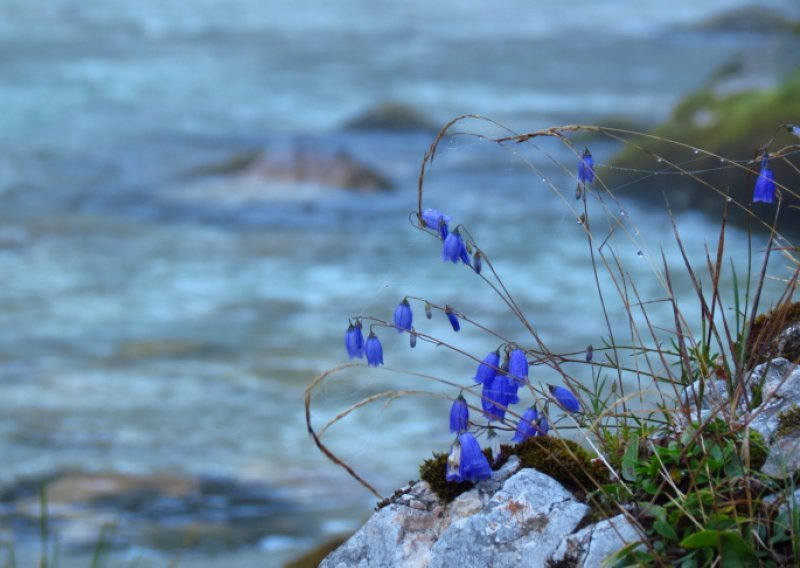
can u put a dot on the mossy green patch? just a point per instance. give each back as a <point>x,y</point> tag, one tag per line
<point>563,460</point>
<point>788,422</point>
<point>731,125</point>
<point>764,343</point>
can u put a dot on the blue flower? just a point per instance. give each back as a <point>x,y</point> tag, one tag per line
<point>451,315</point>
<point>765,184</point>
<point>488,368</point>
<point>526,428</point>
<point>478,265</point>
<point>518,366</point>
<point>459,415</point>
<point>373,350</point>
<point>586,167</point>
<point>454,248</point>
<point>437,221</point>
<point>354,340</point>
<point>544,426</point>
<point>496,396</point>
<point>473,464</point>
<point>403,316</point>
<point>565,398</point>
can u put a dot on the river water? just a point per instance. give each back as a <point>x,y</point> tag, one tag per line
<point>148,333</point>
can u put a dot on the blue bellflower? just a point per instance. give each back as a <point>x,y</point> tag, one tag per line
<point>451,315</point>
<point>454,248</point>
<point>565,398</point>
<point>354,340</point>
<point>496,396</point>
<point>518,366</point>
<point>373,350</point>
<point>543,426</point>
<point>586,167</point>
<point>526,428</point>
<point>473,465</point>
<point>437,221</point>
<point>765,184</point>
<point>459,415</point>
<point>403,316</point>
<point>478,263</point>
<point>488,368</point>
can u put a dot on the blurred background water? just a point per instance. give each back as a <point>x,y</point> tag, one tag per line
<point>155,320</point>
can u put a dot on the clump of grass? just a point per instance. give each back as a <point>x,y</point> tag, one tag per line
<point>665,448</point>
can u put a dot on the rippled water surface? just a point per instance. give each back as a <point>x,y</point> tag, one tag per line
<point>156,321</point>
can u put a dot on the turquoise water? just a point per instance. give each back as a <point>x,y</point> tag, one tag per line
<point>154,322</point>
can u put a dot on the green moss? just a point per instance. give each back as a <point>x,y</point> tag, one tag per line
<point>730,125</point>
<point>762,343</point>
<point>758,450</point>
<point>563,460</point>
<point>788,422</point>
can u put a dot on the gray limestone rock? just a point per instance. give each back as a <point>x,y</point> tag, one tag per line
<point>593,544</point>
<point>522,524</point>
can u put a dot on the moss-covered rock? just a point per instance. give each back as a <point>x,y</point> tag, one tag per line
<point>434,471</point>
<point>733,125</point>
<point>563,460</point>
<point>776,334</point>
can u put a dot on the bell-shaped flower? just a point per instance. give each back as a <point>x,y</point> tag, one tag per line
<point>586,167</point>
<point>459,415</point>
<point>496,396</point>
<point>454,463</point>
<point>437,221</point>
<point>565,398</point>
<point>526,428</point>
<point>474,466</point>
<point>403,316</point>
<point>488,368</point>
<point>454,248</point>
<point>544,426</point>
<point>518,366</point>
<point>354,340</point>
<point>453,318</point>
<point>765,184</point>
<point>373,350</point>
<point>478,265</point>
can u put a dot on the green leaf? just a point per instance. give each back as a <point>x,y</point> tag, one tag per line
<point>702,539</point>
<point>630,459</point>
<point>665,530</point>
<point>736,553</point>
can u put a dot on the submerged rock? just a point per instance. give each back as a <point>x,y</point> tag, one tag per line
<point>392,117</point>
<point>167,512</point>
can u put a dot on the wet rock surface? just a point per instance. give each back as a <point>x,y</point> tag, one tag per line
<point>165,512</point>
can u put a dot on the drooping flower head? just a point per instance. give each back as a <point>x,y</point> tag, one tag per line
<point>586,167</point>
<point>512,385</point>
<point>354,340</point>
<point>453,318</point>
<point>478,264</point>
<point>565,398</point>
<point>488,368</point>
<point>765,184</point>
<point>473,464</point>
<point>459,415</point>
<point>518,366</point>
<point>373,350</point>
<point>544,426</point>
<point>496,395</point>
<point>437,221</point>
<point>526,428</point>
<point>454,248</point>
<point>403,316</point>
